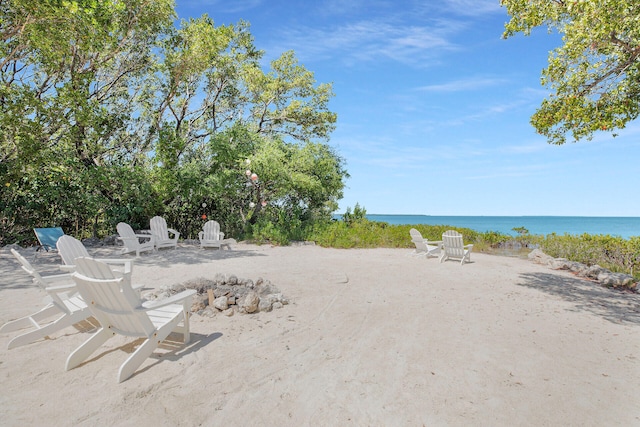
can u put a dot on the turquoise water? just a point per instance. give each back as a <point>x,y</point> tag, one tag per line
<point>624,227</point>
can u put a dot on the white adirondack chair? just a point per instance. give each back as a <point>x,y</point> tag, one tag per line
<point>424,247</point>
<point>121,311</point>
<point>211,236</point>
<point>132,241</point>
<point>453,247</point>
<point>161,232</point>
<point>71,248</point>
<point>65,303</point>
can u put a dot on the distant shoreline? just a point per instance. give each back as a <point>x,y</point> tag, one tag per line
<point>624,227</point>
<point>505,216</point>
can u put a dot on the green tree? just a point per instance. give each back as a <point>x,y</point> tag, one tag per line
<point>358,215</point>
<point>302,181</point>
<point>67,87</point>
<point>110,113</point>
<point>595,74</point>
<point>215,107</point>
<point>285,101</point>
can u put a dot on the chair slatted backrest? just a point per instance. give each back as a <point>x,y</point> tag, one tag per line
<point>453,244</point>
<point>112,300</point>
<point>38,280</point>
<point>128,236</point>
<point>71,248</point>
<point>211,230</point>
<point>26,266</point>
<point>418,240</point>
<point>159,228</point>
<point>125,231</point>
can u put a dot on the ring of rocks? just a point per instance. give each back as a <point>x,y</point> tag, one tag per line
<point>596,273</point>
<point>226,294</point>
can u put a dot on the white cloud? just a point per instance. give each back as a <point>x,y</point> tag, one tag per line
<point>472,7</point>
<point>472,83</point>
<point>367,41</point>
<point>222,5</point>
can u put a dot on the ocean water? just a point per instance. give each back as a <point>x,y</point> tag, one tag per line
<point>624,227</point>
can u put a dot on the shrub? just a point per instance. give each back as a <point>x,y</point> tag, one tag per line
<point>614,253</point>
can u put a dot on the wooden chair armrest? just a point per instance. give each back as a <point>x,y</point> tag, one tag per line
<point>146,236</point>
<point>60,288</point>
<point>56,277</point>
<point>175,299</point>
<point>126,263</point>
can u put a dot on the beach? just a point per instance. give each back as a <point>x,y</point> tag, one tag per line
<point>370,337</point>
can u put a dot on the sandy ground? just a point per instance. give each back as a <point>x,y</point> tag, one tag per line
<point>371,337</point>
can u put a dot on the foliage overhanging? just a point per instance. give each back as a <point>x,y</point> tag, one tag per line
<point>594,75</point>
<point>109,113</point>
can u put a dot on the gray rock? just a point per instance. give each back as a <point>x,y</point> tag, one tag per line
<point>615,279</point>
<point>197,306</point>
<point>177,288</point>
<point>539,257</point>
<point>200,284</point>
<point>221,303</point>
<point>208,312</point>
<point>559,264</point>
<point>92,242</point>
<point>226,294</point>
<point>219,279</point>
<point>110,240</point>
<point>265,305</point>
<point>250,302</point>
<point>221,290</point>
<point>594,271</point>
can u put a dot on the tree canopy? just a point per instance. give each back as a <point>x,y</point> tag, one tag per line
<point>595,74</point>
<point>110,112</point>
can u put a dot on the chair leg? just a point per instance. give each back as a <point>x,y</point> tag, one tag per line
<point>60,323</point>
<point>31,320</point>
<point>186,332</point>
<point>85,350</point>
<point>146,348</point>
<point>140,355</point>
<point>467,257</point>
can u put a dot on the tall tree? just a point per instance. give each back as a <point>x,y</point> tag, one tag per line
<point>67,80</point>
<point>110,113</point>
<point>595,74</point>
<point>215,106</point>
<point>285,101</point>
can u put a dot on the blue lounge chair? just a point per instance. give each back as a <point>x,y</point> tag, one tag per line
<point>48,237</point>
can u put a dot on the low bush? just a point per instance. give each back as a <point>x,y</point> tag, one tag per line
<point>611,252</point>
<point>614,253</point>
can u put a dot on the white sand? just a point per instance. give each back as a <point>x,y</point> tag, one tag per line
<point>371,337</point>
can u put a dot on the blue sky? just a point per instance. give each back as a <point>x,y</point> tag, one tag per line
<point>433,107</point>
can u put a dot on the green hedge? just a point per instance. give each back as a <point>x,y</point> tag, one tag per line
<point>614,253</point>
